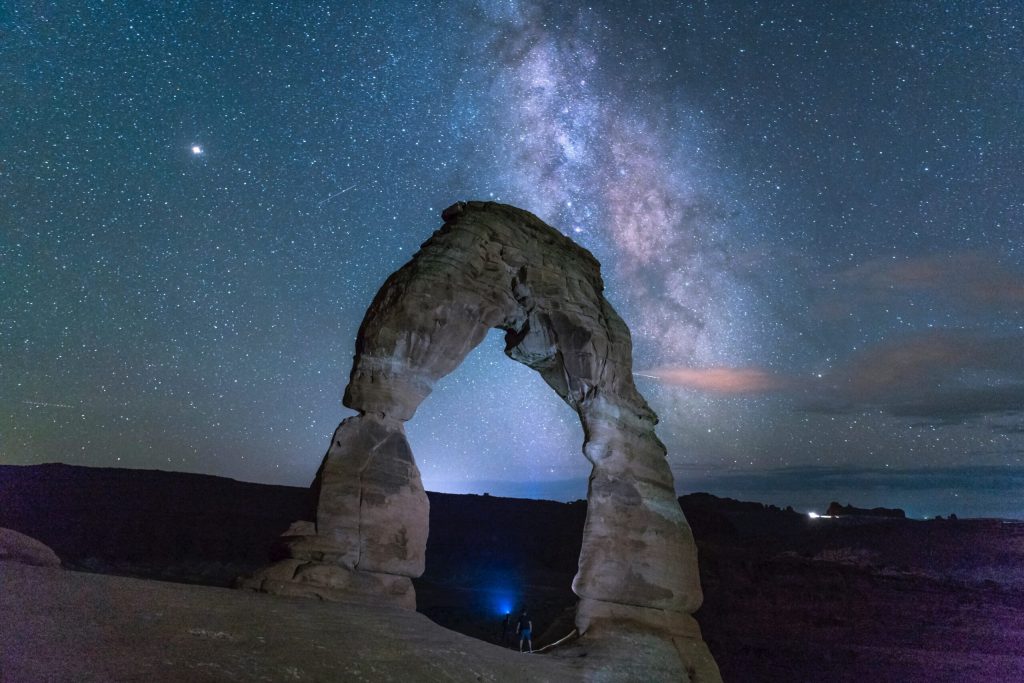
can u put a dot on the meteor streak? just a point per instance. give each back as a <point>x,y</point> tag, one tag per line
<point>326,199</point>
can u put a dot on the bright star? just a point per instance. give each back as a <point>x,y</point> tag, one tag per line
<point>197,150</point>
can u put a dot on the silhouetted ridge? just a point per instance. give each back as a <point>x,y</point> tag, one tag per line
<point>837,510</point>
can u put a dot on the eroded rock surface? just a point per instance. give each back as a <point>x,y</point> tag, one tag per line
<point>495,266</point>
<point>17,547</point>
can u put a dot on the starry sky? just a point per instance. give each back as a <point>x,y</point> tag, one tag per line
<point>810,215</point>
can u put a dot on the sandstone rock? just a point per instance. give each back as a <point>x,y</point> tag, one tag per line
<point>17,547</point>
<point>495,266</point>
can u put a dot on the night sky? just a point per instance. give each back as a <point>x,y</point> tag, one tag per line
<point>809,214</point>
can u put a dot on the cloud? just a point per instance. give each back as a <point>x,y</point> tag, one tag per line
<point>967,279</point>
<point>944,376</point>
<point>940,377</point>
<point>960,406</point>
<point>1009,429</point>
<point>947,376</point>
<point>929,358</point>
<point>720,380</point>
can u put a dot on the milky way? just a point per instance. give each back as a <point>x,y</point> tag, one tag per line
<point>809,215</point>
<point>611,177</point>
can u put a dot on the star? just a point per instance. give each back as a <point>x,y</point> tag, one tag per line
<point>197,150</point>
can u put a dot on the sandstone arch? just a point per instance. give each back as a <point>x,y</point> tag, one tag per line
<point>495,266</point>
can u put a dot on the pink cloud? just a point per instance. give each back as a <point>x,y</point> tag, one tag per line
<point>969,278</point>
<point>944,375</point>
<point>719,380</point>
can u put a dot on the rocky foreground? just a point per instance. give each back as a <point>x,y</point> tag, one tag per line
<point>58,625</point>
<point>786,598</point>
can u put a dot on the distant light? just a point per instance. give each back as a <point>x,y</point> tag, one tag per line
<point>503,606</point>
<point>502,602</point>
<point>813,515</point>
<point>197,150</point>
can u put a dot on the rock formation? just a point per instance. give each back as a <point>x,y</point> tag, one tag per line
<point>495,266</point>
<point>837,510</point>
<point>17,547</point>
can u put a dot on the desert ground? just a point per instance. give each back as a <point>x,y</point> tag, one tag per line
<point>58,625</point>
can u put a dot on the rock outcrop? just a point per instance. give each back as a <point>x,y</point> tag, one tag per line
<point>837,510</point>
<point>495,266</point>
<point>17,547</point>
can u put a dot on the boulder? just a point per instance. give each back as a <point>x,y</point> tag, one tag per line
<point>17,547</point>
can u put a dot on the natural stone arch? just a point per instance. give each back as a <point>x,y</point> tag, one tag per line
<point>495,266</point>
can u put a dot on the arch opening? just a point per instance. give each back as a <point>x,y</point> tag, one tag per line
<point>493,426</point>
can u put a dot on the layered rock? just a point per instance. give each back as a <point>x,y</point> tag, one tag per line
<point>495,266</point>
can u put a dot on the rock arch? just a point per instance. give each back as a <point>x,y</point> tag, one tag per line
<point>495,266</point>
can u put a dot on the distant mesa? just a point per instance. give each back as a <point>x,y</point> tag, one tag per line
<point>17,547</point>
<point>837,510</point>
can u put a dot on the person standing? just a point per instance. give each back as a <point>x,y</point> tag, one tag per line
<point>525,630</point>
<point>506,631</point>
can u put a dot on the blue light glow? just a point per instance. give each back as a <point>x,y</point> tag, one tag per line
<point>503,603</point>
